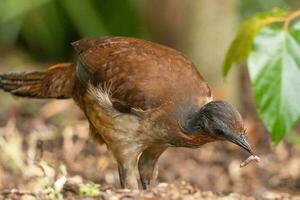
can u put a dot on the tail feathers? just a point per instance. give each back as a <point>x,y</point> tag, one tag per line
<point>55,82</point>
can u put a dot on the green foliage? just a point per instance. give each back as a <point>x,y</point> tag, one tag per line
<point>274,67</point>
<point>241,45</point>
<point>89,189</point>
<point>10,17</point>
<point>123,20</point>
<point>45,32</point>
<point>12,9</point>
<point>249,8</point>
<point>84,17</point>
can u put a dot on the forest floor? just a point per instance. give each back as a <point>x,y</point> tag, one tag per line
<point>45,152</point>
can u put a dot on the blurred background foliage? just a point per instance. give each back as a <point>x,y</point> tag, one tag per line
<point>45,28</point>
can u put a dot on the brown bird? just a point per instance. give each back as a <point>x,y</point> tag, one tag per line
<point>139,98</point>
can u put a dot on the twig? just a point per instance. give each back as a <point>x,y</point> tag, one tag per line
<point>15,192</point>
<point>289,18</point>
<point>271,20</point>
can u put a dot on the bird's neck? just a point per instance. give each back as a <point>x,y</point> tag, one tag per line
<point>190,121</point>
<point>192,129</point>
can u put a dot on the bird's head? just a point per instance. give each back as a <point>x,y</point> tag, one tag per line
<point>220,120</point>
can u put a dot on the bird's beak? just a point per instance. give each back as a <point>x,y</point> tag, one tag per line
<point>240,140</point>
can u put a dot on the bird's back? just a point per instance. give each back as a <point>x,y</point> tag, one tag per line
<point>140,74</point>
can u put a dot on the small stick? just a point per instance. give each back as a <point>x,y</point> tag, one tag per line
<point>249,160</point>
<point>15,192</point>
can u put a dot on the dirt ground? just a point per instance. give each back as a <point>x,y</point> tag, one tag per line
<point>45,143</point>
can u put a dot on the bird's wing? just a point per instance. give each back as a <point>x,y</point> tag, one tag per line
<point>141,75</point>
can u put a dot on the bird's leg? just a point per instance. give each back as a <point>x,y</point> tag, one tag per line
<point>147,163</point>
<point>121,176</point>
<point>127,174</point>
<point>127,161</point>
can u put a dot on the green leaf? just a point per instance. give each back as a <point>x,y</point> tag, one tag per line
<point>241,45</point>
<point>274,67</point>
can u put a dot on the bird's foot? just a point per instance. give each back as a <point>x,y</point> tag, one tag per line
<point>146,184</point>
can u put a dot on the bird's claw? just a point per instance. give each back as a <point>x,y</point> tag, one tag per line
<point>145,184</point>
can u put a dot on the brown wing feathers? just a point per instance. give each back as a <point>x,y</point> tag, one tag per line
<point>142,74</point>
<point>55,82</point>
